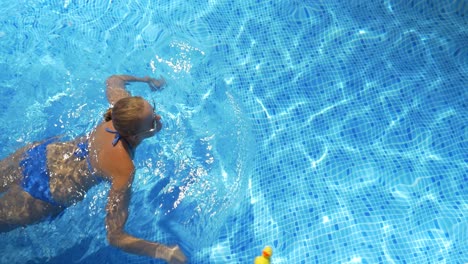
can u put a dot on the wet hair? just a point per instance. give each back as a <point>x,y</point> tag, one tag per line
<point>126,115</point>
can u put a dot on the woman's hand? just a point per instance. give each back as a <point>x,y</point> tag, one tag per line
<point>176,256</point>
<point>155,84</point>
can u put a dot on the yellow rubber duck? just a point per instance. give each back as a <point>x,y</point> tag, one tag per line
<point>265,257</point>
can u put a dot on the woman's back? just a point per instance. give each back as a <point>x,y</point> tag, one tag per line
<point>76,166</point>
<point>70,177</point>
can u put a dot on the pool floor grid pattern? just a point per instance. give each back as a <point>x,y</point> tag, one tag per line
<point>358,113</point>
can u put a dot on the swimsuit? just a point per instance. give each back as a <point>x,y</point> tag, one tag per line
<point>117,138</point>
<point>36,175</point>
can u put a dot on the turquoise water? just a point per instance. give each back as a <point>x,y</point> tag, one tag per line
<point>334,131</point>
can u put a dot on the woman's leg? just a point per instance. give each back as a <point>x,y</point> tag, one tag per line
<point>19,208</point>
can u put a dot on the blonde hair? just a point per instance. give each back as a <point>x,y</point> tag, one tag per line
<point>126,115</point>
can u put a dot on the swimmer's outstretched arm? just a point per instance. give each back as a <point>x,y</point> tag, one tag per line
<point>115,85</point>
<point>117,214</point>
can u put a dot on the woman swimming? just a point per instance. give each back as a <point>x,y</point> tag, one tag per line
<point>40,180</point>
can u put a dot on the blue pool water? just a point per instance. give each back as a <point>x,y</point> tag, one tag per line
<point>334,131</point>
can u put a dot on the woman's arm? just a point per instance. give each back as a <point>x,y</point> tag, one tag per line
<point>115,86</point>
<point>117,214</point>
